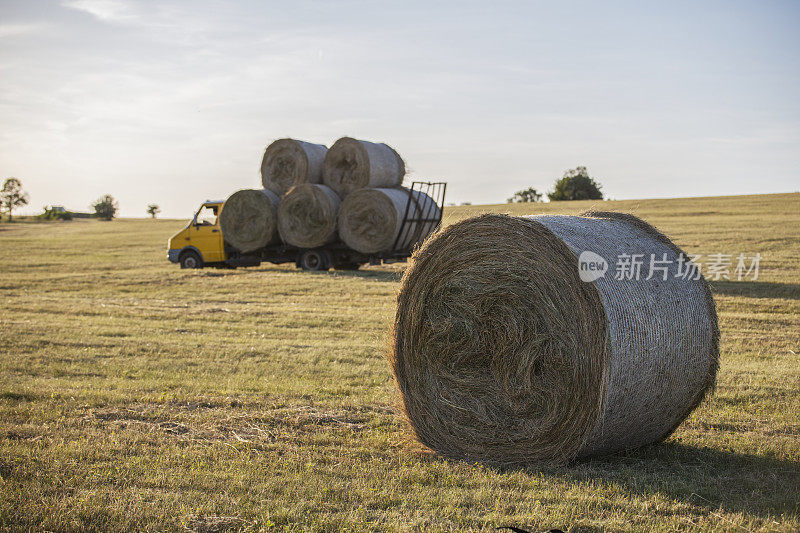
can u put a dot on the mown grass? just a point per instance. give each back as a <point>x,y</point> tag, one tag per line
<point>134,395</point>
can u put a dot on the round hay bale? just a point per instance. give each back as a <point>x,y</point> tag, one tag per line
<point>370,220</point>
<point>249,219</point>
<point>351,164</point>
<point>289,162</point>
<point>307,216</point>
<point>503,355</point>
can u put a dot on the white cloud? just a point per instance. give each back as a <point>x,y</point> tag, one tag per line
<point>11,30</point>
<point>105,10</point>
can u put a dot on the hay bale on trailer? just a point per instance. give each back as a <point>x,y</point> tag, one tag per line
<point>351,164</point>
<point>249,219</point>
<point>289,162</point>
<point>307,216</point>
<point>503,354</point>
<point>370,220</point>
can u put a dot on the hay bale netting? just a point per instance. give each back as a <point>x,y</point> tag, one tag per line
<point>502,354</point>
<point>351,164</point>
<point>289,162</point>
<point>249,219</point>
<point>370,220</point>
<point>307,216</point>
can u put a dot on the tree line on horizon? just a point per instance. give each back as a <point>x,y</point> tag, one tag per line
<point>575,184</point>
<point>13,197</point>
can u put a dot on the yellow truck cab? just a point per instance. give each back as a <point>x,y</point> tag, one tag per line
<point>200,243</point>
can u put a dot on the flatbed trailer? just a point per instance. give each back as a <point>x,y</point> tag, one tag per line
<point>335,255</point>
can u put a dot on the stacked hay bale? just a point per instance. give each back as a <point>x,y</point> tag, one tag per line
<point>351,164</point>
<point>289,162</point>
<point>371,220</point>
<point>249,219</point>
<point>503,354</point>
<point>313,196</point>
<point>307,215</point>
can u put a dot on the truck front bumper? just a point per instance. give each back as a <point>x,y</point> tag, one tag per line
<point>173,253</point>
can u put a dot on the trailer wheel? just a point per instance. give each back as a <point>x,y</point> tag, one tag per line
<point>191,259</point>
<point>314,260</point>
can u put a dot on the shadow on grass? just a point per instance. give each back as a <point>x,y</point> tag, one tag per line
<point>375,275</point>
<point>704,477</point>
<point>756,289</point>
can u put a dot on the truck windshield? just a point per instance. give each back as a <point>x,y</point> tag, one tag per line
<point>207,216</point>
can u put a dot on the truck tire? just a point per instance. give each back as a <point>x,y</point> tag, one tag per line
<point>315,260</point>
<point>191,259</point>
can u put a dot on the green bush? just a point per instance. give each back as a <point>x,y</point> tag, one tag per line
<point>105,208</point>
<point>576,184</point>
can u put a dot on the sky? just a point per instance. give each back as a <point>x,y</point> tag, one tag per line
<point>174,102</point>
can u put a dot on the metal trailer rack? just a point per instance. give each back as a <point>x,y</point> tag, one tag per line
<point>341,257</point>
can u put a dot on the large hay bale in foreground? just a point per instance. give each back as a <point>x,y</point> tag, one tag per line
<point>249,219</point>
<point>370,220</point>
<point>502,354</point>
<point>351,164</point>
<point>289,162</point>
<point>307,216</point>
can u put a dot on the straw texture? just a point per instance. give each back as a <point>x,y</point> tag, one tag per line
<point>249,219</point>
<point>502,354</point>
<point>307,216</point>
<point>370,220</point>
<point>289,162</point>
<point>351,164</point>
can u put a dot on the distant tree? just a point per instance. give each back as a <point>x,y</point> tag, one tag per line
<point>12,196</point>
<point>106,207</point>
<point>153,210</point>
<point>527,195</point>
<point>576,184</point>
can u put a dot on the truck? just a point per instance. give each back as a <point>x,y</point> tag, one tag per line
<point>201,243</point>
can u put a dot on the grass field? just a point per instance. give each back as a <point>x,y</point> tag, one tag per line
<point>137,395</point>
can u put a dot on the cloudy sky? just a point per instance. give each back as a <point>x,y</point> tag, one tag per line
<point>173,102</point>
